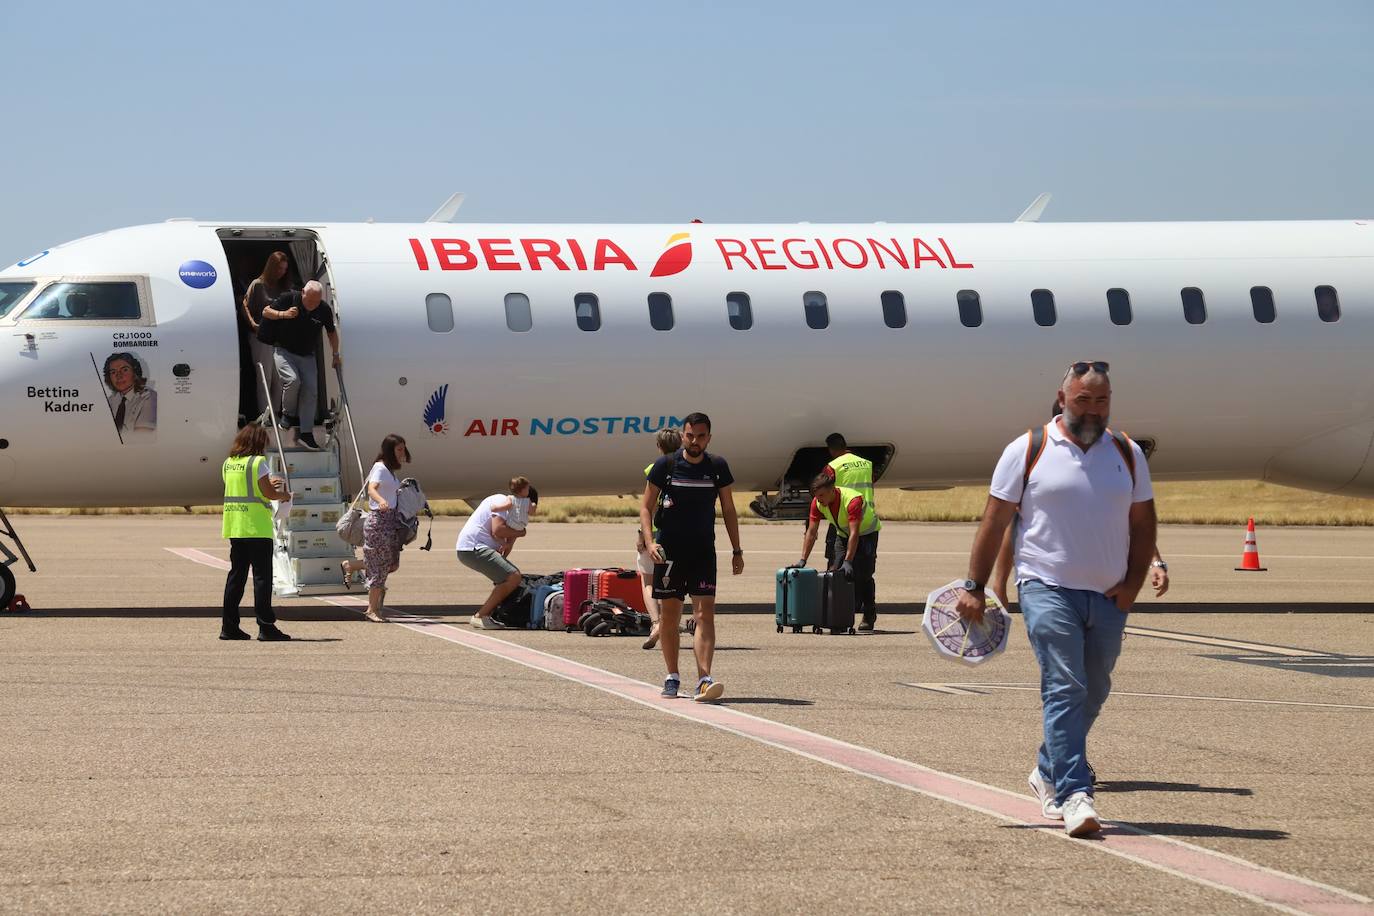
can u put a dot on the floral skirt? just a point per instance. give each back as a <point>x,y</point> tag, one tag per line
<point>381,547</point>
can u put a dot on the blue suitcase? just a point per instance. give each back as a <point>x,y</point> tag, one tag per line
<point>797,603</point>
<point>537,606</point>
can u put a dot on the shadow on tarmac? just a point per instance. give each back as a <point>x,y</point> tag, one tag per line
<point>307,613</point>
<point>1139,785</point>
<point>1168,828</point>
<point>765,701</point>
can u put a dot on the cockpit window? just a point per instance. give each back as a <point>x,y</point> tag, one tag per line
<point>109,301</point>
<point>10,294</point>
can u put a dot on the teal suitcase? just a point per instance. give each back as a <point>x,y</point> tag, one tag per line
<point>797,603</point>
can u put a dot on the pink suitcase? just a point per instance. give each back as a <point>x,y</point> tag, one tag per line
<point>577,588</point>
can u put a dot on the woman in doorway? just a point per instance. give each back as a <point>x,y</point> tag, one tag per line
<point>270,284</point>
<point>381,533</point>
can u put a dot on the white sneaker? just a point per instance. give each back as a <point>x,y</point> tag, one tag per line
<point>485,623</point>
<point>1080,817</point>
<point>1045,793</point>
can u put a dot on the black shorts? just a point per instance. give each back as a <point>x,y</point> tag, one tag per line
<point>686,574</point>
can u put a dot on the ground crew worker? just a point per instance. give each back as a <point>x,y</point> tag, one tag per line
<point>848,511</point>
<point>248,526</point>
<point>846,469</point>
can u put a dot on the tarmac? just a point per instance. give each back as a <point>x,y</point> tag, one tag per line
<point>423,766</point>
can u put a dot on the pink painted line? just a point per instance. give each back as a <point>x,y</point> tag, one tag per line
<point>1265,886</point>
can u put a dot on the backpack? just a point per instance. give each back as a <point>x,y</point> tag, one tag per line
<point>410,505</point>
<point>612,617</point>
<point>1035,447</point>
<point>516,611</point>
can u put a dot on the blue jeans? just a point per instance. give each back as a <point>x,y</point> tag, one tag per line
<point>1076,637</point>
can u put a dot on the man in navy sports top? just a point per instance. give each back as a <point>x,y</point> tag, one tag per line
<point>690,481</point>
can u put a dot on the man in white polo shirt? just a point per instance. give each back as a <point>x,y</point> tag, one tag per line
<point>1083,548</point>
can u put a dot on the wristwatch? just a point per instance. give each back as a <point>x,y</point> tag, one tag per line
<point>737,553</point>
<point>969,585</point>
<point>1161,564</point>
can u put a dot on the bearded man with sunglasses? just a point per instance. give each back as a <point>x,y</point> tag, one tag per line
<point>1086,536</point>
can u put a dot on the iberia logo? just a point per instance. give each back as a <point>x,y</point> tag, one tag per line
<point>434,411</point>
<point>676,257</point>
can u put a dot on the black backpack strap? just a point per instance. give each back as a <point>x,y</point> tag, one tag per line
<point>1035,447</point>
<point>1123,445</point>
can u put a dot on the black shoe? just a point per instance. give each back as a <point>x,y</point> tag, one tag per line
<point>271,634</point>
<point>233,634</point>
<point>867,626</point>
<point>307,440</point>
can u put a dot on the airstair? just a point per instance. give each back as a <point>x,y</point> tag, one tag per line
<point>308,554</point>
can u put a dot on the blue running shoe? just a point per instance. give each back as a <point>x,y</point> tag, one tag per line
<point>671,686</point>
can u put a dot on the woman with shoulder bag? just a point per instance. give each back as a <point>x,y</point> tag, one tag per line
<point>381,531</point>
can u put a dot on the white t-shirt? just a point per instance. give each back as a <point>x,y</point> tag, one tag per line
<point>477,532</point>
<point>387,485</point>
<point>519,516</point>
<point>1074,530</point>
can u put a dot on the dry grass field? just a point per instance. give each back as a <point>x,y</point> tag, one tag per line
<point>1228,502</point>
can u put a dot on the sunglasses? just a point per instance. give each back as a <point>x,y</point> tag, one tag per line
<point>1081,368</point>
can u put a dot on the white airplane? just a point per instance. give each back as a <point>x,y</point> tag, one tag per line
<point>1237,349</point>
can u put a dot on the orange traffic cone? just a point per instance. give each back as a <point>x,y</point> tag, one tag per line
<point>1249,560</point>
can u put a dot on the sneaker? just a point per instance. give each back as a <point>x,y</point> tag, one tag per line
<point>233,634</point>
<point>485,623</point>
<point>671,686</point>
<point>1080,817</point>
<point>1045,793</point>
<point>866,626</point>
<point>708,691</point>
<point>307,441</point>
<point>272,634</point>
<point>1091,772</point>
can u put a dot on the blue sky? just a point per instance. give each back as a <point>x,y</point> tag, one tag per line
<point>647,112</point>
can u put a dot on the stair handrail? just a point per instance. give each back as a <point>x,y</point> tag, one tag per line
<point>348,420</point>
<point>276,429</point>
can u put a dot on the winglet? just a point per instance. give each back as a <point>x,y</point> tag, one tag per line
<point>449,209</point>
<point>1032,213</point>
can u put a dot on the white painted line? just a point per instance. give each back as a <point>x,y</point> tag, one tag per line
<point>1285,892</point>
<point>973,689</point>
<point>959,690</point>
<point>1227,643</point>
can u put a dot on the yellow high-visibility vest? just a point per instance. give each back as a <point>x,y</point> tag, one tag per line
<point>247,513</point>
<point>856,473</point>
<point>868,524</point>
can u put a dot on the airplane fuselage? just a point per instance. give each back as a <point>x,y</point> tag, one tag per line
<point>1220,393</point>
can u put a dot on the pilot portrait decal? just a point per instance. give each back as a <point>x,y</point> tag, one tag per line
<point>132,399</point>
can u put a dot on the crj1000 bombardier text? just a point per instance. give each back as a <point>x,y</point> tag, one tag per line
<point>1238,349</point>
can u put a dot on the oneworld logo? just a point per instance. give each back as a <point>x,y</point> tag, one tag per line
<point>197,274</point>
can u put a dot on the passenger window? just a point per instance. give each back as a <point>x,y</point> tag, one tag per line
<point>1328,304</point>
<point>439,312</point>
<point>86,302</point>
<point>1119,306</point>
<point>817,310</point>
<point>1042,306</point>
<point>1262,304</point>
<point>894,309</point>
<point>1194,307</point>
<point>10,294</point>
<point>518,315</point>
<point>588,311</point>
<point>970,308</point>
<point>661,311</point>
<point>739,311</point>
